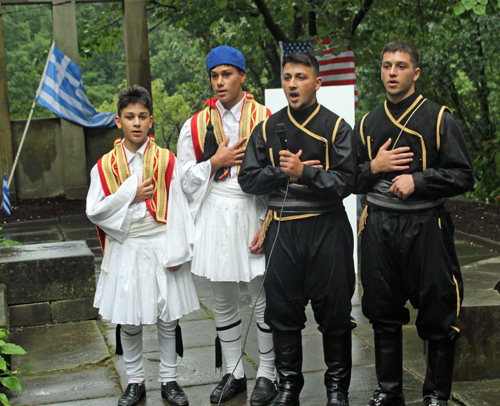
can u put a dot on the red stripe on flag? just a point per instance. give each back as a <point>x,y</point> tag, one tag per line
<point>327,72</point>
<point>344,59</point>
<point>339,82</point>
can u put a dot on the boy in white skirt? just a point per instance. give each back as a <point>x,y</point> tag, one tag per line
<point>133,190</point>
<point>227,227</point>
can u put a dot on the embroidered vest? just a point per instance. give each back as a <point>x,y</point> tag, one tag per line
<point>158,165</point>
<point>206,143</point>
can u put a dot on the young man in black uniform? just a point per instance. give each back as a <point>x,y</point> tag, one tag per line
<point>312,259</point>
<point>411,155</point>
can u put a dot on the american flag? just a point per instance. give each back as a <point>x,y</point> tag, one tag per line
<point>336,70</point>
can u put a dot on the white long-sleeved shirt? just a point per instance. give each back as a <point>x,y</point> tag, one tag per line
<point>114,213</point>
<point>195,177</point>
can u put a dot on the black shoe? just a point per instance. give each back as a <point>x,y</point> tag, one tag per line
<point>264,391</point>
<point>133,395</point>
<point>174,394</point>
<point>430,401</point>
<point>287,396</point>
<point>233,387</point>
<point>337,399</point>
<point>383,399</point>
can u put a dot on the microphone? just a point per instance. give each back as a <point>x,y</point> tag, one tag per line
<point>281,133</point>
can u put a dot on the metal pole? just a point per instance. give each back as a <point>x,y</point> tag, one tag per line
<point>21,144</point>
<point>29,118</point>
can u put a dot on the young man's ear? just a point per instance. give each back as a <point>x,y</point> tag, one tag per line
<point>417,75</point>
<point>243,76</point>
<point>118,122</point>
<point>318,81</point>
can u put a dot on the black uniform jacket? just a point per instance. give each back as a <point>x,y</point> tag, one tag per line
<point>321,135</point>
<point>441,165</point>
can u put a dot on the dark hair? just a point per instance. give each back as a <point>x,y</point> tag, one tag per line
<point>402,46</point>
<point>302,58</point>
<point>132,95</point>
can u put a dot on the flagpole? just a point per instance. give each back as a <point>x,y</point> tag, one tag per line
<point>21,144</point>
<point>29,119</point>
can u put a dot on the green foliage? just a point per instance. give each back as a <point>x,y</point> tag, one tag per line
<point>477,6</point>
<point>8,243</point>
<point>457,41</point>
<point>27,38</point>
<point>8,378</point>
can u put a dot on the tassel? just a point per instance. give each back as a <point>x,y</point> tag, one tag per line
<point>210,150</point>
<point>119,348</point>
<point>265,226</point>
<point>218,353</point>
<point>362,221</point>
<point>179,346</point>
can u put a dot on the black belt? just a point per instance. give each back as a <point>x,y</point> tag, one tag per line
<point>394,204</point>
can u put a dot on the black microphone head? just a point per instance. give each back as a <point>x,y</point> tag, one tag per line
<point>281,133</point>
<point>280,127</point>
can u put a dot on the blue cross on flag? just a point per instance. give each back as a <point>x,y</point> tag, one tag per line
<point>61,91</point>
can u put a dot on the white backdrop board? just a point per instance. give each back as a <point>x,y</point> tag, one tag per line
<point>340,100</point>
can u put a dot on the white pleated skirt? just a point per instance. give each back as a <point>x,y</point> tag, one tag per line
<point>138,290</point>
<point>225,226</point>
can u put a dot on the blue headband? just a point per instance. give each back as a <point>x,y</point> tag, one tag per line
<point>225,55</point>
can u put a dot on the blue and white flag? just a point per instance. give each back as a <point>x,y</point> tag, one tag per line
<point>61,91</point>
<point>6,196</point>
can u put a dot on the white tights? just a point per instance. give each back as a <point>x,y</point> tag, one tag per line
<point>227,313</point>
<point>131,338</point>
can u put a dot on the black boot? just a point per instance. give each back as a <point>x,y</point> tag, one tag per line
<point>288,362</point>
<point>389,369</point>
<point>337,353</point>
<point>439,374</point>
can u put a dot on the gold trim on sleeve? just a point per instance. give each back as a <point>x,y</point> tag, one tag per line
<point>271,157</point>
<point>337,124</point>
<point>361,132</point>
<point>440,117</point>
<point>264,135</point>
<point>458,296</point>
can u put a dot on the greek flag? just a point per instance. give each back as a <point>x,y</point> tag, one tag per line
<point>6,196</point>
<point>61,91</point>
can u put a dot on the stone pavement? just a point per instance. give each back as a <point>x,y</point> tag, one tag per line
<point>73,364</point>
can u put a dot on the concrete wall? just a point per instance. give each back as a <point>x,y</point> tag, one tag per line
<point>48,283</point>
<point>41,168</point>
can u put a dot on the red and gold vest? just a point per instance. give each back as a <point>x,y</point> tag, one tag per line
<point>252,114</point>
<point>158,165</point>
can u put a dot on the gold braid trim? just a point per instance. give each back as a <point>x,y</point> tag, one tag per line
<point>115,167</point>
<point>362,221</point>
<point>156,162</point>
<point>265,226</point>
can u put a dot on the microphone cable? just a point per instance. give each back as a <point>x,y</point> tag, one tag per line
<point>260,290</point>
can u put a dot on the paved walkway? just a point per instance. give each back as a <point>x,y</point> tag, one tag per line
<point>74,363</point>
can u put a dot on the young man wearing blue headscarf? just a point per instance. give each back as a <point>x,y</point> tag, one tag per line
<point>227,221</point>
